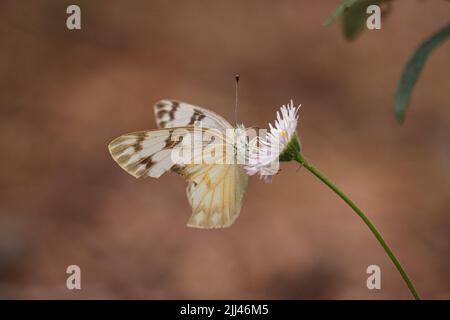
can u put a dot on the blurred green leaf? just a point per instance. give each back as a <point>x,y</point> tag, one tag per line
<point>412,71</point>
<point>355,17</point>
<point>345,4</point>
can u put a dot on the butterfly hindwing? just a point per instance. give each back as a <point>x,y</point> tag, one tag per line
<point>215,193</point>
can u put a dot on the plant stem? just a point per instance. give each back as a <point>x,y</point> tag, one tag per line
<point>299,158</point>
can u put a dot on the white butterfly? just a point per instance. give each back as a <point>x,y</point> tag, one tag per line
<point>215,191</point>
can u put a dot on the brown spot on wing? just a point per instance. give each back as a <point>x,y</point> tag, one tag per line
<point>196,116</point>
<point>177,169</point>
<point>148,162</point>
<point>117,151</point>
<point>138,145</point>
<point>170,143</point>
<point>162,112</point>
<point>160,105</point>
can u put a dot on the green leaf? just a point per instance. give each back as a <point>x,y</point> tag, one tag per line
<point>355,17</point>
<point>345,4</point>
<point>413,69</point>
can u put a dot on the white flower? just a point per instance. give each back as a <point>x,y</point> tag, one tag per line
<point>280,143</point>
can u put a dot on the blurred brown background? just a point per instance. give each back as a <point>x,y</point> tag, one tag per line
<point>66,94</point>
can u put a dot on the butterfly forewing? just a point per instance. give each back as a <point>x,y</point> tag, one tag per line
<point>144,153</point>
<point>173,113</point>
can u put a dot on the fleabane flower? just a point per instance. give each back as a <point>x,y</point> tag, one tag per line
<point>280,143</point>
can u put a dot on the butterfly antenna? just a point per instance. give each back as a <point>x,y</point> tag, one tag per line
<point>236,77</point>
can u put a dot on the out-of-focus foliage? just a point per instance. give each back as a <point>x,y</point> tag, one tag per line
<point>413,69</point>
<point>339,11</point>
<point>354,16</point>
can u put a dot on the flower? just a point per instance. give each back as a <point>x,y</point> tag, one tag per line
<point>279,144</point>
<point>282,144</point>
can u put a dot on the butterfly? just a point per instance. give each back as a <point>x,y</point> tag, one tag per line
<point>215,191</point>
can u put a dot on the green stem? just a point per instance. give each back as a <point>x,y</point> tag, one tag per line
<point>299,158</point>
